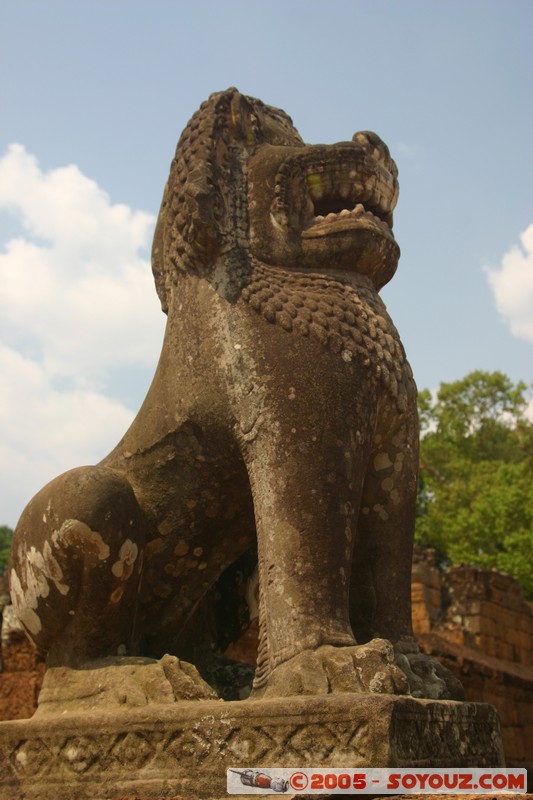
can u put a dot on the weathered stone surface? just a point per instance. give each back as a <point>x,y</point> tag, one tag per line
<point>282,415</point>
<point>183,750</point>
<point>120,682</point>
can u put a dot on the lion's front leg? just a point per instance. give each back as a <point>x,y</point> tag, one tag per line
<point>380,604</point>
<point>304,541</point>
<point>380,597</point>
<point>306,482</point>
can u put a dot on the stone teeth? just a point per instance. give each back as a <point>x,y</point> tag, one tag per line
<point>280,219</point>
<point>316,192</point>
<point>358,211</point>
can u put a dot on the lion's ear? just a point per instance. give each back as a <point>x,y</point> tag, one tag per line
<point>198,215</point>
<point>243,120</point>
<point>158,250</point>
<point>206,213</point>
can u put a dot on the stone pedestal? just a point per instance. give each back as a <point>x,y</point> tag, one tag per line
<point>182,750</point>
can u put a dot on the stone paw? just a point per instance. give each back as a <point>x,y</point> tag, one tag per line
<point>185,680</point>
<point>427,678</point>
<point>121,682</point>
<point>337,670</point>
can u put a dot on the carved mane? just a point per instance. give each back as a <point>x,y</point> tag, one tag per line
<point>202,214</point>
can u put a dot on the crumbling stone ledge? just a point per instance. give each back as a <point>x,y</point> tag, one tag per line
<point>183,750</point>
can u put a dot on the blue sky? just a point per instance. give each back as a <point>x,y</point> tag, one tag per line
<point>93,98</point>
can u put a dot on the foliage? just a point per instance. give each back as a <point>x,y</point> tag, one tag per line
<point>476,474</point>
<point>6,534</point>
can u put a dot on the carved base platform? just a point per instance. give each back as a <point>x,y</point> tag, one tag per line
<point>183,750</point>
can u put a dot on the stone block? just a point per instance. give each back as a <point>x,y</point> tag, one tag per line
<point>526,624</point>
<point>427,575</point>
<point>472,624</point>
<point>421,626</point>
<point>183,750</point>
<point>433,596</point>
<point>18,692</point>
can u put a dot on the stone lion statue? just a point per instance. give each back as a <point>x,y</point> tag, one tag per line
<point>282,416</point>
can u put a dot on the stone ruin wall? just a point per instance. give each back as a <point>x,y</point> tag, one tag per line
<point>476,621</point>
<point>477,608</point>
<point>21,669</point>
<point>479,625</point>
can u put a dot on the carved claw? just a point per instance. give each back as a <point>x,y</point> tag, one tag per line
<point>367,668</point>
<point>427,677</point>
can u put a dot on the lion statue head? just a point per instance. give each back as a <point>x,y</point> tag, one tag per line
<point>243,185</point>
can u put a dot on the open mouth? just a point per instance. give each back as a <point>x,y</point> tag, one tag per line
<point>335,191</point>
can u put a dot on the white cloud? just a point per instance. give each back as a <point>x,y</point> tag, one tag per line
<point>408,150</point>
<point>46,431</point>
<point>77,301</point>
<point>512,285</point>
<point>76,285</point>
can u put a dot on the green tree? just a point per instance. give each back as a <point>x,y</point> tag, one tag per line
<point>6,535</point>
<point>476,474</point>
